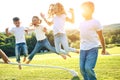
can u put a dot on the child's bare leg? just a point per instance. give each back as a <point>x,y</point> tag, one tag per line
<point>19,65</point>
<point>28,61</point>
<point>68,55</point>
<point>63,56</point>
<point>24,59</point>
<point>4,56</point>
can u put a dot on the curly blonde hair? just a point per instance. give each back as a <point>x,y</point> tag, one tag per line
<point>51,10</point>
<point>57,8</point>
<point>60,8</point>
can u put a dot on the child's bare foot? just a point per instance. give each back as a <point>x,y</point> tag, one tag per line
<point>69,55</point>
<point>19,66</point>
<point>28,62</point>
<point>8,61</point>
<point>24,59</point>
<point>63,56</point>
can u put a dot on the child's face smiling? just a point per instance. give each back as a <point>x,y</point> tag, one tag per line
<point>35,21</point>
<point>17,23</point>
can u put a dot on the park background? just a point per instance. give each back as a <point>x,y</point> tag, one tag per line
<point>107,68</point>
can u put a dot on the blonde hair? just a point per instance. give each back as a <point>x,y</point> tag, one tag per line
<point>51,10</point>
<point>60,9</point>
<point>89,5</point>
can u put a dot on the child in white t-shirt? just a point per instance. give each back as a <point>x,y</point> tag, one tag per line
<point>19,33</point>
<point>42,40</point>
<point>57,12</point>
<point>90,31</point>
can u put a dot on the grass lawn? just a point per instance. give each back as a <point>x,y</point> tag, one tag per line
<point>107,68</point>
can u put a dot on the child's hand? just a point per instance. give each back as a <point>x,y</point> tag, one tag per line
<point>105,52</point>
<point>45,29</point>
<point>6,29</point>
<point>42,15</point>
<point>26,31</point>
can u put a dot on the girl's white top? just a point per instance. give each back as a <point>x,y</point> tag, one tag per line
<point>40,34</point>
<point>58,24</point>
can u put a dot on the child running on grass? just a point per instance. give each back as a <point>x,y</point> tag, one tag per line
<point>42,40</point>
<point>19,33</point>
<point>57,12</point>
<point>90,31</point>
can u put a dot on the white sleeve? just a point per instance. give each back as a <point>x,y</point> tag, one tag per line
<point>98,26</point>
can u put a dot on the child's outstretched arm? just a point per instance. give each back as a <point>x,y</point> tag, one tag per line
<point>48,22</point>
<point>7,32</point>
<point>71,20</point>
<point>100,34</point>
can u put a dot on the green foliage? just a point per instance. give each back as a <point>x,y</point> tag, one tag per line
<point>9,49</point>
<point>2,39</point>
<point>112,34</point>
<point>50,37</point>
<point>31,41</point>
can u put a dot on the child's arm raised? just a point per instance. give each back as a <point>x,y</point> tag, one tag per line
<point>71,20</point>
<point>48,22</point>
<point>26,31</point>
<point>7,32</point>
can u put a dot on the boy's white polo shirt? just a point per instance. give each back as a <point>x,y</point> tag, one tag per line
<point>88,34</point>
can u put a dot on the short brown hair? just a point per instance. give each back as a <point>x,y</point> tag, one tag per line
<point>16,19</point>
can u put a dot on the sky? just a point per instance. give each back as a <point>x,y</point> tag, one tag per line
<point>106,11</point>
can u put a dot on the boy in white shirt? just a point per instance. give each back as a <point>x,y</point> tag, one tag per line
<point>90,31</point>
<point>19,33</point>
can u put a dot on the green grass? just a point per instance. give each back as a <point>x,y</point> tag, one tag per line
<point>107,68</point>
